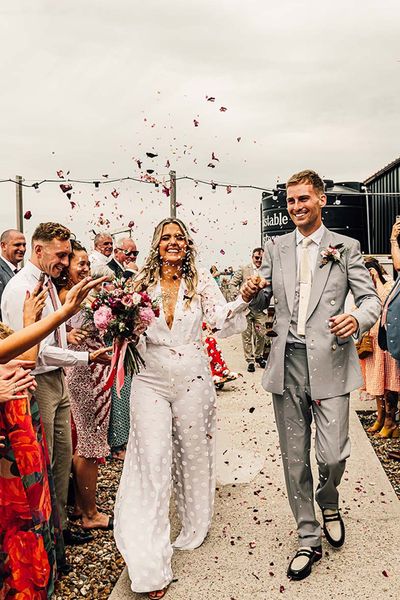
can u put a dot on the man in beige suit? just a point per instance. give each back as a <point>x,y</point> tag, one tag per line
<point>313,364</point>
<point>253,337</point>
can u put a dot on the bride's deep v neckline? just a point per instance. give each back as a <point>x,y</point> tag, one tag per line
<point>165,295</point>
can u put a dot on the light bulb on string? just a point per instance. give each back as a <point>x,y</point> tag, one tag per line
<point>36,187</point>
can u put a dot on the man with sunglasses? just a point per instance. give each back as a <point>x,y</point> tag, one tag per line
<point>123,262</point>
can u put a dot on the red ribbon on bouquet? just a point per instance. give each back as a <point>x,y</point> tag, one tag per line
<point>117,369</point>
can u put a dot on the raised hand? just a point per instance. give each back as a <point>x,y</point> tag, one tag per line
<point>34,304</point>
<point>395,231</point>
<point>76,295</point>
<point>11,387</point>
<point>76,336</point>
<point>252,286</point>
<point>7,370</point>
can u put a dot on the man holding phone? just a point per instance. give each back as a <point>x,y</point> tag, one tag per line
<point>51,249</point>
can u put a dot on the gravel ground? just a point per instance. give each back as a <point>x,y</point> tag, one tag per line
<point>97,565</point>
<point>381,447</point>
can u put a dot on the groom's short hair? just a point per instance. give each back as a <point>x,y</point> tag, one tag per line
<point>307,176</point>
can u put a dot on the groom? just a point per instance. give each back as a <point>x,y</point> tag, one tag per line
<point>313,364</point>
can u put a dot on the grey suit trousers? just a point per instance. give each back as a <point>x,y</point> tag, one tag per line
<point>294,412</point>
<point>53,400</point>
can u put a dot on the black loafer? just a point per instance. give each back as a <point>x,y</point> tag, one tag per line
<point>261,362</point>
<point>312,555</point>
<point>251,368</point>
<point>335,542</point>
<point>75,538</point>
<point>64,568</point>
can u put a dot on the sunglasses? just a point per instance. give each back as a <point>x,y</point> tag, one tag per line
<point>129,252</point>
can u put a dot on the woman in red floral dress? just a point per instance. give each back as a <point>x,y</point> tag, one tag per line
<point>219,369</point>
<point>31,546</point>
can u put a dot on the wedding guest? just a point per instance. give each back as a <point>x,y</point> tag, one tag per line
<point>123,262</point>
<point>90,405</point>
<point>253,338</point>
<point>29,521</point>
<point>172,412</point>
<point>215,273</point>
<point>29,518</point>
<point>394,244</point>
<point>381,372</point>
<point>220,371</point>
<point>13,248</point>
<point>124,266</point>
<point>51,248</point>
<point>103,248</point>
<point>224,282</point>
<point>313,364</point>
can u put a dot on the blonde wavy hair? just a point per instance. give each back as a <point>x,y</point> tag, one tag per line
<point>150,274</point>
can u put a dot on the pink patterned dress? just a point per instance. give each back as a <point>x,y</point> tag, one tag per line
<point>90,404</point>
<point>381,372</point>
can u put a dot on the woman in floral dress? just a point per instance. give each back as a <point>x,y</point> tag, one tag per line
<point>380,370</point>
<point>31,545</point>
<point>90,406</point>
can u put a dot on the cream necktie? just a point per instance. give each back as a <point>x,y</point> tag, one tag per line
<point>305,286</point>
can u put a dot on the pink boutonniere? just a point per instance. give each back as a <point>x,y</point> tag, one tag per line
<point>332,254</point>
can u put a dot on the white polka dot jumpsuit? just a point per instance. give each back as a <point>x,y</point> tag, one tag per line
<point>172,437</point>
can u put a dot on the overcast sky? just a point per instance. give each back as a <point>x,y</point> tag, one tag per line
<point>90,86</point>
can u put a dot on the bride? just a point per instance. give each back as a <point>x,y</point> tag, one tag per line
<point>172,436</point>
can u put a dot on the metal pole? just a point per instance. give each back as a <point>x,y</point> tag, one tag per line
<point>19,204</point>
<point>172,196</point>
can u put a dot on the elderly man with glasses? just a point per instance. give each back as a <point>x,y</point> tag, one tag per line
<point>123,262</point>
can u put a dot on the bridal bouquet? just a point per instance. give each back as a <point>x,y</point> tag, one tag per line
<point>119,313</point>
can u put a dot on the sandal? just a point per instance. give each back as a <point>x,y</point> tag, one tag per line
<point>157,594</point>
<point>108,527</point>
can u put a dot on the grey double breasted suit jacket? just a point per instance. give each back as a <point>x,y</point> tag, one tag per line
<point>333,363</point>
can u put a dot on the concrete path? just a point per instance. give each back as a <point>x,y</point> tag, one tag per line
<point>253,534</point>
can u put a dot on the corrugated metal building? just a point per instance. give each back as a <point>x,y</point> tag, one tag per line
<point>383,205</point>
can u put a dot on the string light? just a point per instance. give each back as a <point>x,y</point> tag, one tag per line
<point>213,184</point>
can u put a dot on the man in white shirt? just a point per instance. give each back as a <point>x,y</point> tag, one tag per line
<point>13,248</point>
<point>51,249</point>
<point>103,247</point>
<point>253,338</point>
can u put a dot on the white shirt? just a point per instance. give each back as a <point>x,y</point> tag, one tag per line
<point>313,248</point>
<point>9,264</point>
<point>313,253</point>
<point>98,259</point>
<point>50,356</point>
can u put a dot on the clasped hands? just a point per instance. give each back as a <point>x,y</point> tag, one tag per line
<point>252,286</point>
<point>343,326</point>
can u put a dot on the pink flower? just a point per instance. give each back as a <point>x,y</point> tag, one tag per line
<point>109,287</point>
<point>127,300</point>
<point>102,317</point>
<point>146,315</point>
